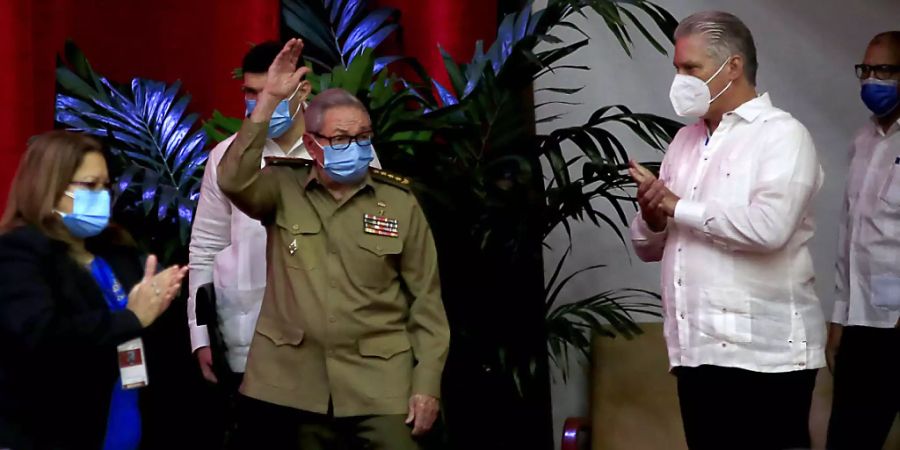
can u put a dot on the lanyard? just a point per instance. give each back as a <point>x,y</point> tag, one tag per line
<point>115,296</point>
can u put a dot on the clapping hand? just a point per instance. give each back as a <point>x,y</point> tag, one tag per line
<point>657,202</point>
<point>150,298</point>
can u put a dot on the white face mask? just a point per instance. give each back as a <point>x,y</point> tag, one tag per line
<point>690,95</point>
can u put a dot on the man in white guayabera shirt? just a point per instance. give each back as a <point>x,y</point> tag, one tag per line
<point>729,219</point>
<point>228,248</point>
<point>864,337</point>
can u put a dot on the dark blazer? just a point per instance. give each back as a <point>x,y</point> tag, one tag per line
<point>58,341</point>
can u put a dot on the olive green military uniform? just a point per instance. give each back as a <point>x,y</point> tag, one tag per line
<point>352,322</point>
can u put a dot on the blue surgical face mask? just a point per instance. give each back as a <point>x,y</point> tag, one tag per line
<point>282,119</point>
<point>349,165</point>
<point>880,96</point>
<point>90,213</point>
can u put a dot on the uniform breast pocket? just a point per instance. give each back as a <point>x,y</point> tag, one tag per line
<point>725,315</point>
<point>890,194</point>
<point>297,238</point>
<point>378,261</point>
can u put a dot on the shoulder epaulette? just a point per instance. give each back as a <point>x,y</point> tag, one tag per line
<point>288,162</point>
<point>390,178</point>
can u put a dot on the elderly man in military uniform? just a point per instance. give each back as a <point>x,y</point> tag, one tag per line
<point>352,336</point>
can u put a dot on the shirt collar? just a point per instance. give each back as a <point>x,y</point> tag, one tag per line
<point>750,110</point>
<point>298,150</point>
<point>880,131</point>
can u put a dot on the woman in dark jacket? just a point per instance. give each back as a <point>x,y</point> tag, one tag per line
<point>71,291</point>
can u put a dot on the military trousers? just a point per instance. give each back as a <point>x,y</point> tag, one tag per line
<point>263,425</point>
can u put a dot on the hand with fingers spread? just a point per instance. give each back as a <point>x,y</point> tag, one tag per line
<point>423,411</point>
<point>657,202</point>
<point>150,298</point>
<point>282,80</point>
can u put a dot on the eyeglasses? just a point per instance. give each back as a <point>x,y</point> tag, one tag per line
<point>93,185</point>
<point>341,142</point>
<point>881,71</point>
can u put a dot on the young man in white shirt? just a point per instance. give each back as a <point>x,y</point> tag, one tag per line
<point>864,338</point>
<point>729,219</point>
<point>227,247</point>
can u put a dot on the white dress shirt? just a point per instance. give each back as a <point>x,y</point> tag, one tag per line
<point>228,248</point>
<point>737,277</point>
<point>868,265</point>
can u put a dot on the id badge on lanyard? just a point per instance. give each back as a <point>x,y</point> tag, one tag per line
<point>132,366</point>
<point>131,356</point>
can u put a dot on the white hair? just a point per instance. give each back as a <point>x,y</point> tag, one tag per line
<point>326,100</point>
<point>726,36</point>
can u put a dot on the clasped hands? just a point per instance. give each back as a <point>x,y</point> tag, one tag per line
<point>657,202</point>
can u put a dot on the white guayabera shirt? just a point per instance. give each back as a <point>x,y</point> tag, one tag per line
<point>868,265</point>
<point>737,277</point>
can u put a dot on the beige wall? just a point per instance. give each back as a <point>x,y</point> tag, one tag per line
<point>634,402</point>
<point>807,49</point>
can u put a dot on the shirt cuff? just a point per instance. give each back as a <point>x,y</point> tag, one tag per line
<point>691,214</point>
<point>426,381</point>
<point>199,337</point>
<point>641,232</point>
<point>840,313</point>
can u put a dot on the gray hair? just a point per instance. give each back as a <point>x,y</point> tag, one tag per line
<point>726,35</point>
<point>326,100</point>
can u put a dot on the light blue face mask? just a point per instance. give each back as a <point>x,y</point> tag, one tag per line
<point>349,165</point>
<point>90,213</point>
<point>282,119</point>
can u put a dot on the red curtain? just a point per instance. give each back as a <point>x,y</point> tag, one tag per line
<point>197,41</point>
<point>454,24</point>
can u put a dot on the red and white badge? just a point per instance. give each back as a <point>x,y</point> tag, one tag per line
<point>132,366</point>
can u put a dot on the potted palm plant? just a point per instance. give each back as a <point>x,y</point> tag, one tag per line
<point>478,166</point>
<point>476,160</point>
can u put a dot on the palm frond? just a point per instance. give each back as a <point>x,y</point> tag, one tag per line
<point>608,313</point>
<point>337,32</point>
<point>147,126</point>
<point>219,126</point>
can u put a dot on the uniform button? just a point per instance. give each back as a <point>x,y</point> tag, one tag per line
<point>334,283</point>
<point>790,341</point>
<point>724,310</point>
<point>295,227</point>
<point>724,345</point>
<point>681,315</point>
<point>802,364</point>
<point>680,282</point>
<point>680,249</point>
<point>332,319</point>
<point>378,247</point>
